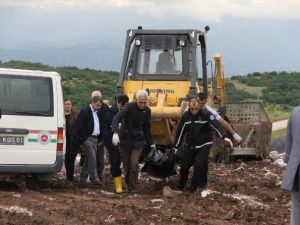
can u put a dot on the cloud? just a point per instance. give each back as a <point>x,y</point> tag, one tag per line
<point>213,10</point>
<point>59,4</point>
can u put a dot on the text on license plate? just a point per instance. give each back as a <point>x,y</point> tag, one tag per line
<point>11,140</point>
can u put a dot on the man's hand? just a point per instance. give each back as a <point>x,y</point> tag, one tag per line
<point>175,151</point>
<point>115,139</point>
<point>153,147</point>
<point>237,138</point>
<point>228,142</point>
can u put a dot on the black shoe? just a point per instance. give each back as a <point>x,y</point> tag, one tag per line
<point>132,191</point>
<point>180,187</point>
<point>97,183</point>
<point>82,181</point>
<point>191,189</point>
<point>70,179</point>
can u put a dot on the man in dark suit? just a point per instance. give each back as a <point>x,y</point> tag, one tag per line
<point>90,133</point>
<point>100,151</point>
<point>135,130</point>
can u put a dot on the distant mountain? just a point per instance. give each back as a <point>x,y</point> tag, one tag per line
<point>238,58</point>
<point>87,55</point>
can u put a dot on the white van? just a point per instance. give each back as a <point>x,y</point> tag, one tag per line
<point>31,122</point>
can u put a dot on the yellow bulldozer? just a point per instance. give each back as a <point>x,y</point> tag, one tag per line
<point>172,66</point>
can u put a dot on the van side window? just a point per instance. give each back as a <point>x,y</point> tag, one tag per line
<point>26,95</point>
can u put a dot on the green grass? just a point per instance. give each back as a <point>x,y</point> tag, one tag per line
<point>279,133</point>
<point>278,115</point>
<point>250,89</point>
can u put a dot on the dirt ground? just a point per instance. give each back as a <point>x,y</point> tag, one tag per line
<point>237,193</point>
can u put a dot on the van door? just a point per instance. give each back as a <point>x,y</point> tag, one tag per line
<point>28,127</point>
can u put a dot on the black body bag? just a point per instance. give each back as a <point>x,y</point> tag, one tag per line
<point>160,164</point>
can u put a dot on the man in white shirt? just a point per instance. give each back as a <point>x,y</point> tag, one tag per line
<point>90,133</point>
<point>201,97</point>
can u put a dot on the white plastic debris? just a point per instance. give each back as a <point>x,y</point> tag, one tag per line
<point>157,200</point>
<point>206,192</point>
<point>110,219</point>
<point>274,155</point>
<point>17,210</point>
<point>49,198</point>
<point>241,167</point>
<point>280,163</point>
<point>246,199</point>
<point>107,192</point>
<point>174,219</point>
<point>17,195</point>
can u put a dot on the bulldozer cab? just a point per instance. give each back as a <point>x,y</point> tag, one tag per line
<point>163,62</point>
<point>163,55</point>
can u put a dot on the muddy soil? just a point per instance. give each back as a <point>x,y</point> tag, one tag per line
<point>237,193</point>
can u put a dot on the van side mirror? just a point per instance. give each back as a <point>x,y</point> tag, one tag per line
<point>0,113</point>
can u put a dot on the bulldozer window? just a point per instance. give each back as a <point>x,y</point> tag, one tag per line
<point>160,61</point>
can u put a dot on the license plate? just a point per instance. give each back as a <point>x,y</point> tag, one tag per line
<point>11,140</point>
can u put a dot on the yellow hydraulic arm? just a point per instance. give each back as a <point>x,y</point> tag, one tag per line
<point>220,80</point>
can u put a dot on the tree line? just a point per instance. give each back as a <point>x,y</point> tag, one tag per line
<point>278,87</point>
<point>78,84</point>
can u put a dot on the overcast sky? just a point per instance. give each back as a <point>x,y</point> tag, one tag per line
<point>212,10</point>
<point>242,24</point>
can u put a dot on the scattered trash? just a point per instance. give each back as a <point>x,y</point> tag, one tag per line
<point>241,167</point>
<point>280,163</point>
<point>17,210</point>
<point>51,199</point>
<point>17,195</point>
<point>157,200</point>
<point>206,192</point>
<point>110,219</point>
<point>246,199</point>
<point>173,219</point>
<point>168,192</point>
<point>274,155</point>
<point>107,192</point>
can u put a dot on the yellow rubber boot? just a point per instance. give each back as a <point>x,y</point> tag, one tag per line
<point>118,184</point>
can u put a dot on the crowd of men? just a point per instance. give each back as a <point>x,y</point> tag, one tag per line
<point>125,128</point>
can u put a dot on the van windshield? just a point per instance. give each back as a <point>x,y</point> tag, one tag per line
<point>26,95</point>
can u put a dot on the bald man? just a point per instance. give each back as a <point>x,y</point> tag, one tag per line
<point>195,127</point>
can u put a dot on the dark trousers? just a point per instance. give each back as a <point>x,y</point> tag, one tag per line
<point>198,157</point>
<point>69,165</point>
<point>100,160</point>
<point>115,160</point>
<point>130,158</point>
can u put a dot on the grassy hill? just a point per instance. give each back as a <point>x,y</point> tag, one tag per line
<point>278,91</point>
<point>253,90</point>
<point>78,84</point>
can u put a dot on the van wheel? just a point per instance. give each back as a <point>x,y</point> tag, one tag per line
<point>35,182</point>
